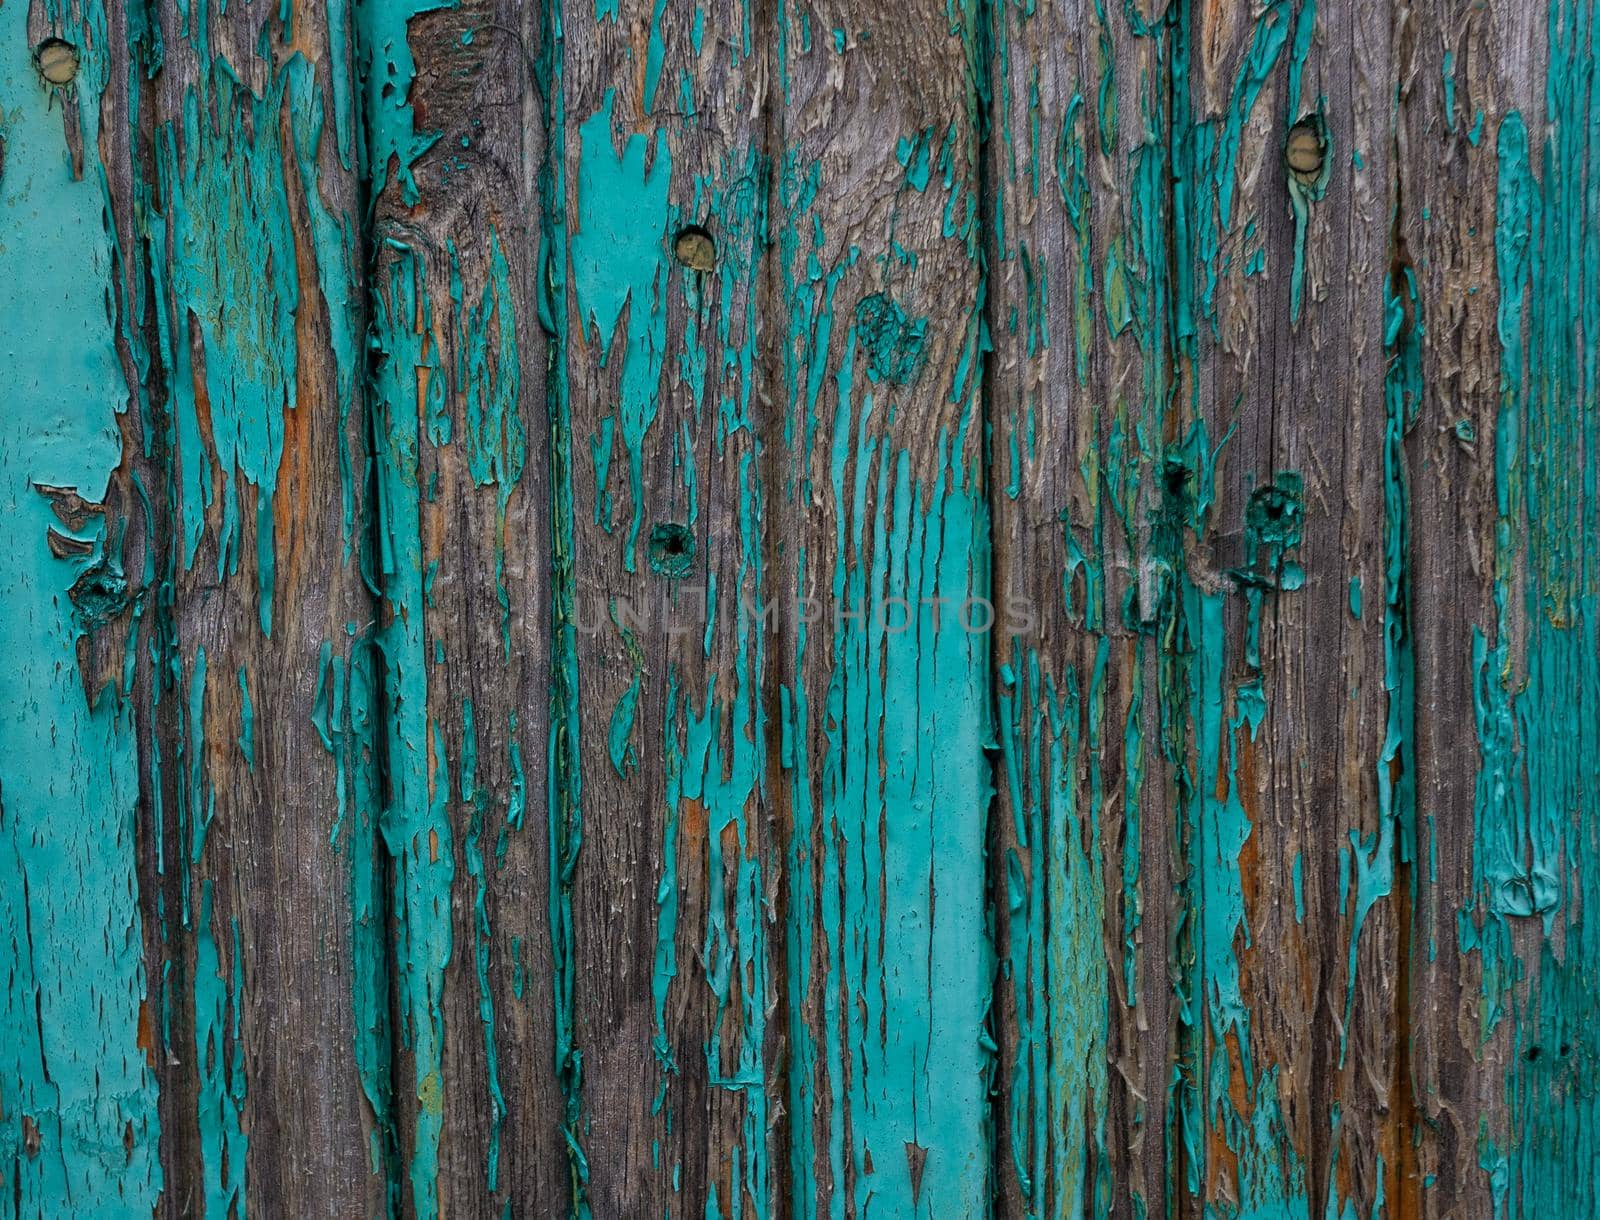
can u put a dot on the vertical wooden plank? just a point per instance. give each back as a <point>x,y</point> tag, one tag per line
<point>664,186</point>
<point>454,135</point>
<point>1498,213</point>
<point>1451,494</point>
<point>256,782</point>
<point>1075,207</point>
<point>883,585</point>
<point>1449,265</point>
<point>1295,648</point>
<point>78,1065</point>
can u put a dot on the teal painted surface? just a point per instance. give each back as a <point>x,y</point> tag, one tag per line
<point>1534,861</point>
<point>77,1091</point>
<point>1056,911</point>
<point>416,828</point>
<point>226,197</point>
<point>618,263</point>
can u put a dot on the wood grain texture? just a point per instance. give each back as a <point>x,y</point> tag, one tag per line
<point>240,440</point>
<point>457,360</point>
<point>674,958</point>
<point>1082,821</point>
<point>1307,793</point>
<point>884,544</point>
<point>786,608</point>
<point>1499,225</point>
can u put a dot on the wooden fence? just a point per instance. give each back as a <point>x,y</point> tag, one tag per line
<point>757,608</point>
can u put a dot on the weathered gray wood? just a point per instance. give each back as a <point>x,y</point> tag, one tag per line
<point>1305,861</point>
<point>1078,854</point>
<point>764,608</point>
<point>675,950</point>
<point>241,258</point>
<point>459,389</point>
<point>1494,455</point>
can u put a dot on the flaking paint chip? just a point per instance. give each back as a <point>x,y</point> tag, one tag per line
<point>694,248</point>
<point>57,60</point>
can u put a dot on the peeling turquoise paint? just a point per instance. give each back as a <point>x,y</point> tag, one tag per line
<point>1213,150</point>
<point>347,716</point>
<point>564,795</point>
<point>624,758</point>
<point>495,440</point>
<point>1302,192</point>
<point>922,687</point>
<point>219,1057</point>
<point>1448,72</point>
<point>618,263</point>
<point>891,812</point>
<point>231,274</point>
<point>1537,685</point>
<point>725,780</point>
<point>387,68</point>
<point>72,975</point>
<point>1270,1175</point>
<point>247,721</point>
<point>477,799</point>
<point>415,822</point>
<point>1057,960</point>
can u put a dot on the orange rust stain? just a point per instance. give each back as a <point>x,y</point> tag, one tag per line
<point>424,376</point>
<point>147,1034</point>
<point>1342,1183</point>
<point>292,502</point>
<point>1250,849</point>
<point>1221,1163</point>
<point>1403,1190</point>
<point>300,43</point>
<point>692,818</point>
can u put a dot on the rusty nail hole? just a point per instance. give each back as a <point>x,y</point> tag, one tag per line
<point>1306,150</point>
<point>57,60</point>
<point>694,248</point>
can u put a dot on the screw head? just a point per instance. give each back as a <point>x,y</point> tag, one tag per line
<point>57,60</point>
<point>694,248</point>
<point>1306,150</point>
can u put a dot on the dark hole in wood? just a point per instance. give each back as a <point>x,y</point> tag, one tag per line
<point>1274,513</point>
<point>1176,478</point>
<point>99,595</point>
<point>694,248</point>
<point>57,60</point>
<point>671,549</point>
